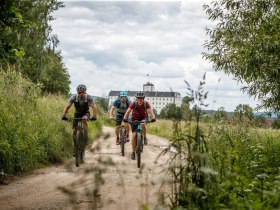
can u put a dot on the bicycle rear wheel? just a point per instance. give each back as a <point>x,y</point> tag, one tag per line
<point>138,149</point>
<point>123,139</point>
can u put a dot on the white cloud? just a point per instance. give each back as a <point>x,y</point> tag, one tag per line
<point>113,45</point>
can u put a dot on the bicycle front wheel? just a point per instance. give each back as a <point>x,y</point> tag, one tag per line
<point>123,139</point>
<point>138,148</point>
<point>77,148</point>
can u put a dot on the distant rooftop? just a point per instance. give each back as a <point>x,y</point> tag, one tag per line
<point>147,93</point>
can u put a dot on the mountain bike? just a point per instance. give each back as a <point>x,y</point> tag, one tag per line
<point>123,136</point>
<point>79,137</point>
<point>139,139</point>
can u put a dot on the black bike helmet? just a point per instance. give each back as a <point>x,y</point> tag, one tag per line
<point>140,94</point>
<point>81,88</point>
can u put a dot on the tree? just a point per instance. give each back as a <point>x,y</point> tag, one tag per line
<point>102,103</point>
<point>245,43</point>
<point>242,112</point>
<point>171,111</point>
<point>276,124</point>
<point>220,114</point>
<point>10,20</point>
<point>185,108</point>
<point>155,112</point>
<point>27,44</point>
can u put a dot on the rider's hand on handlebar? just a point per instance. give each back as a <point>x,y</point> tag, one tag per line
<point>64,118</point>
<point>93,118</point>
<point>153,120</point>
<point>125,120</point>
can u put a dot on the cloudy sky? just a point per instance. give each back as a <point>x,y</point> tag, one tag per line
<point>114,45</point>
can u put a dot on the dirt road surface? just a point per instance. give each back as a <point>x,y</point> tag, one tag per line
<point>106,180</point>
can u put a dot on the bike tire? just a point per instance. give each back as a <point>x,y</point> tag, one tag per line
<point>82,146</point>
<point>82,156</point>
<point>138,149</point>
<point>123,139</point>
<point>77,148</point>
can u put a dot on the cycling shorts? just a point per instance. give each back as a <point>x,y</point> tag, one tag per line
<point>119,119</point>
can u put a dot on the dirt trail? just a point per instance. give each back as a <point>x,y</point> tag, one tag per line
<point>106,181</point>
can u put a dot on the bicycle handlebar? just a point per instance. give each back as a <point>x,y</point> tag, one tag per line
<point>135,122</point>
<point>69,119</point>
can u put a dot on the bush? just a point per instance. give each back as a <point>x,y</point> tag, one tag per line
<point>276,124</point>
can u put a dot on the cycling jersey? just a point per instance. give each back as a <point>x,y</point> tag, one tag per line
<point>140,112</point>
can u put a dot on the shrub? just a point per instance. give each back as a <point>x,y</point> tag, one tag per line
<point>276,124</point>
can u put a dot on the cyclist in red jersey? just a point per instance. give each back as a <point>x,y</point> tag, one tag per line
<point>139,109</point>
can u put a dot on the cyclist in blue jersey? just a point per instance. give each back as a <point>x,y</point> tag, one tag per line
<point>121,104</point>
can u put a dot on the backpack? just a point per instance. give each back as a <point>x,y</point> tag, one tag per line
<point>119,103</point>
<point>85,107</point>
<point>135,107</point>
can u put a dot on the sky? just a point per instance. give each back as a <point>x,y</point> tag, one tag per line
<point>121,45</point>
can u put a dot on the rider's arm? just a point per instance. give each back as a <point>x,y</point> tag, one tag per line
<point>94,109</point>
<point>127,113</point>
<point>112,112</point>
<point>151,113</point>
<point>66,109</point>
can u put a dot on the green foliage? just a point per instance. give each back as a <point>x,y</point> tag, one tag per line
<point>185,107</point>
<point>27,44</point>
<point>223,166</point>
<point>247,163</point>
<point>155,112</point>
<point>245,43</point>
<point>220,114</point>
<point>243,112</point>
<point>32,133</point>
<point>171,111</point>
<point>102,103</point>
<point>260,121</point>
<point>10,19</point>
<point>276,124</point>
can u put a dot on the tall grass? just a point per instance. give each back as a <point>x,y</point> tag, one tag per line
<point>32,133</point>
<point>221,166</point>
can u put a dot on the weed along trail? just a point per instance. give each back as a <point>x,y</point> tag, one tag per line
<point>106,180</point>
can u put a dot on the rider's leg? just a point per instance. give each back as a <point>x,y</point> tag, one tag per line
<point>117,131</point>
<point>127,131</point>
<point>133,143</point>
<point>145,133</point>
<point>144,129</point>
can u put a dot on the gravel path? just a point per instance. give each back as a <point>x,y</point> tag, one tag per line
<point>106,180</point>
